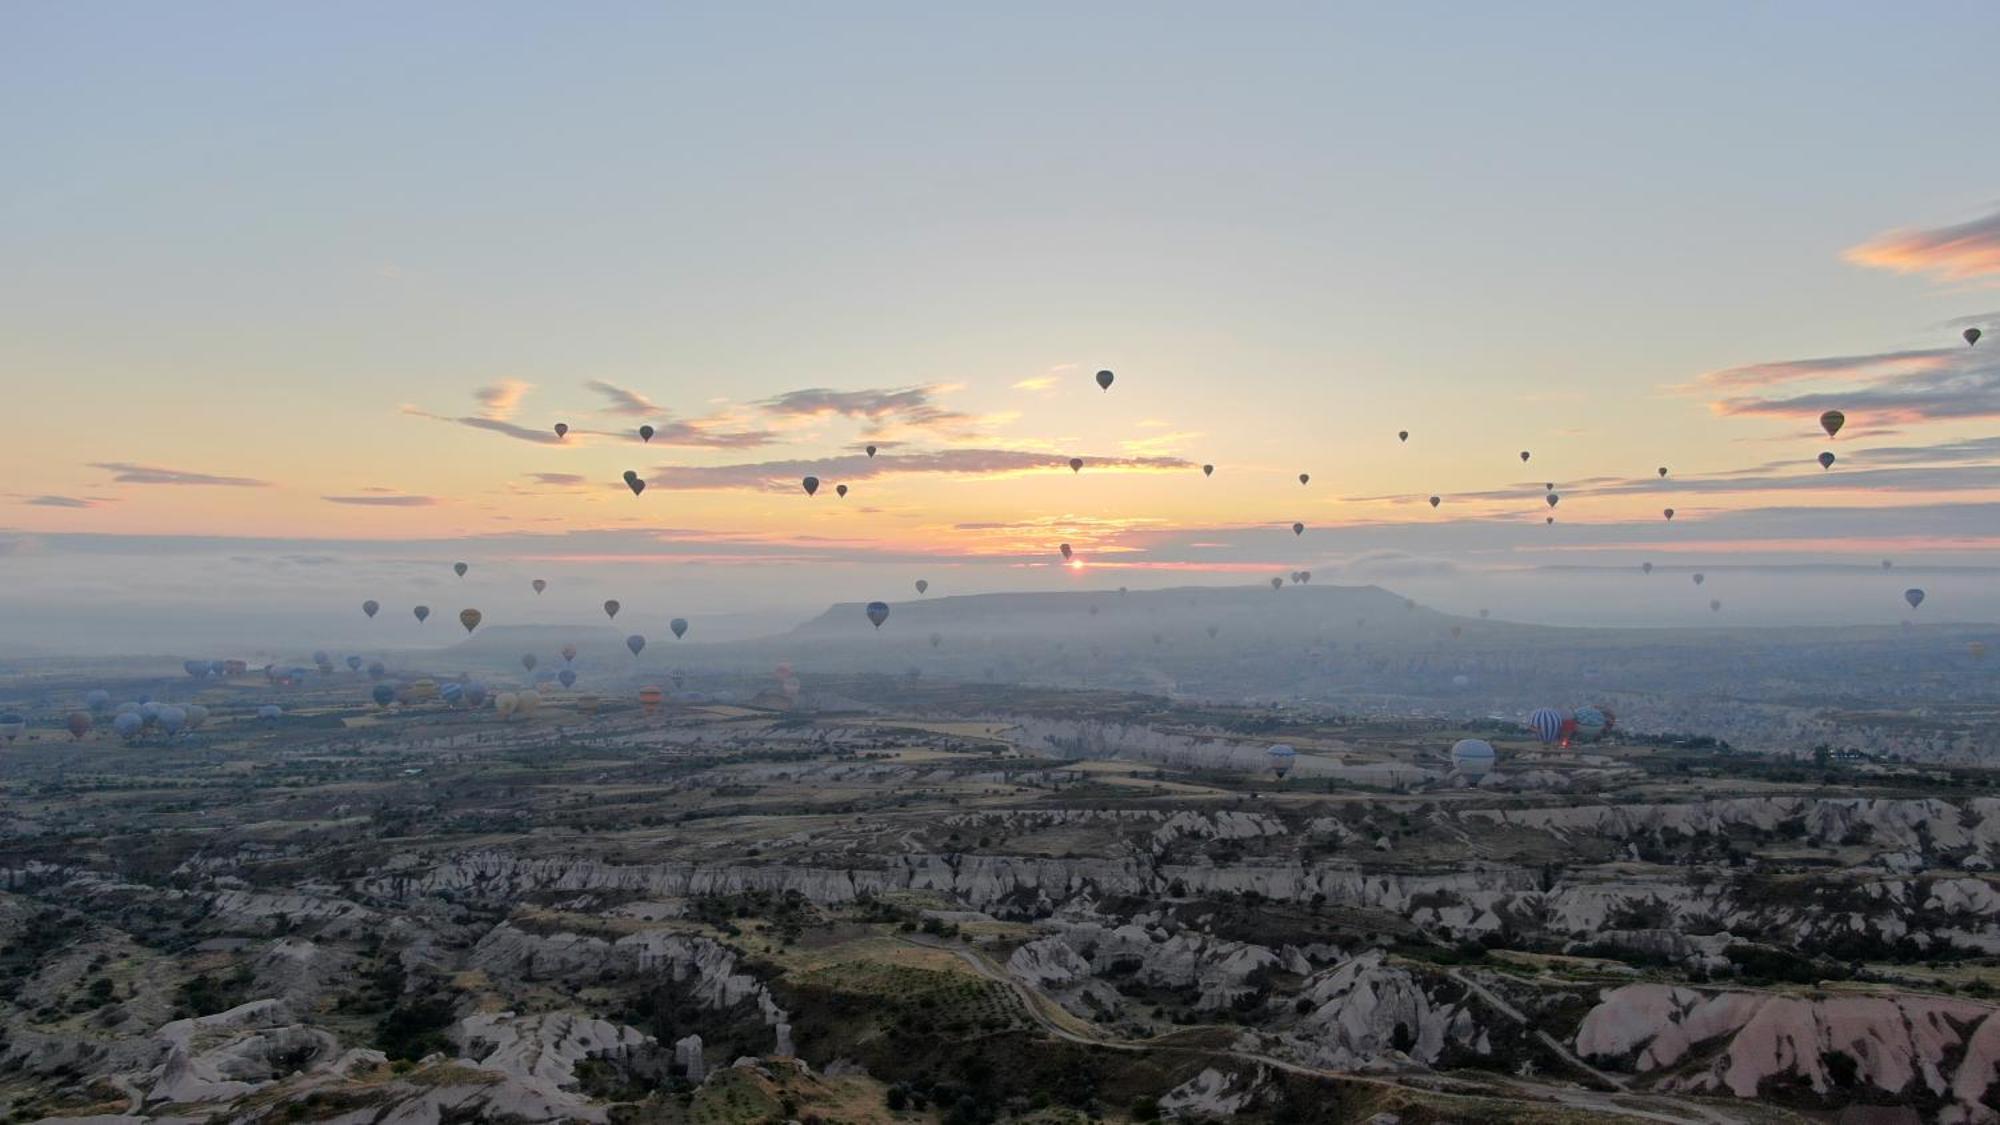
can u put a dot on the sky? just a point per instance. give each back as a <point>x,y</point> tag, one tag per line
<point>316,282</point>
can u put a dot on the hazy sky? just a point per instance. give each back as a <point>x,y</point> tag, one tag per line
<point>302,272</point>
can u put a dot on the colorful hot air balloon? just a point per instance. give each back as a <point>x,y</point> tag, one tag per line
<point>811,485</point>
<point>1832,421</point>
<point>1281,758</point>
<point>539,585</point>
<point>127,726</point>
<point>679,625</point>
<point>646,433</point>
<point>923,585</point>
<point>1914,596</point>
<point>469,618</point>
<point>270,712</point>
<point>97,699</point>
<point>371,607</point>
<point>1547,724</point>
<point>611,608</point>
<point>1076,464</point>
<point>459,569</point>
<point>1977,649</point>
<point>1104,380</point>
<point>505,704</point>
<point>170,720</point>
<point>421,613</point>
<point>1826,460</point>
<point>650,697</point>
<point>1473,757</point>
<point>878,612</point>
<point>636,643</point>
<point>1591,722</point>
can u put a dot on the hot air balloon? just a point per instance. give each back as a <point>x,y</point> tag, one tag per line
<point>1524,456</point>
<point>1104,380</point>
<point>505,703</point>
<point>1298,529</point>
<point>878,612</point>
<point>320,657</point>
<point>1304,477</point>
<point>1473,757</point>
<point>383,695</point>
<point>1208,470</point>
<point>97,699</point>
<point>679,625</point>
<point>1402,435</point>
<point>1832,421</point>
<point>1914,596</point>
<point>475,694</point>
<point>840,490</point>
<point>1066,552</point>
<point>567,676</point>
<point>646,433</point>
<point>636,643</point>
<point>1715,605</point>
<point>1547,724</point>
<point>1436,500</point>
<point>923,585</point>
<point>539,585</point>
<point>1663,470</point>
<point>1552,499</point>
<point>1971,336</point>
<point>528,661</point>
<point>1669,513</point>
<point>1591,722</point>
<point>171,721</point>
<point>78,724</point>
<point>633,482</point>
<point>453,694</point>
<point>1646,568</point>
<point>562,430</point>
<point>354,664</point>
<point>1826,460</point>
<point>1699,578</point>
<point>869,450</point>
<point>127,726</point>
<point>469,618</point>
<point>1076,464</point>
<point>371,607</point>
<point>1549,486</point>
<point>611,608</point>
<point>459,569</point>
<point>1281,758</point>
<point>811,485</point>
<point>422,613</point>
<point>650,697</point>
<point>1277,583</point>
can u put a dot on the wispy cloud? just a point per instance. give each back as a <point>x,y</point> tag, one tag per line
<point>379,500</point>
<point>502,399</point>
<point>1968,251</point>
<point>1037,383</point>
<point>623,401</point>
<point>559,480</point>
<point>785,475</point>
<point>125,472</point>
<point>51,501</point>
<point>880,408</point>
<point>1878,365</point>
<point>1898,400</point>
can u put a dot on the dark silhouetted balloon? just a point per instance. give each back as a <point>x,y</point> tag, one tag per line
<point>646,433</point>
<point>1645,568</point>
<point>1832,421</point>
<point>1298,529</point>
<point>937,639</point>
<point>1552,499</point>
<point>383,695</point>
<point>1714,605</point>
<point>1402,435</point>
<point>1304,477</point>
<point>1208,470</point>
<point>811,485</point>
<point>1667,512</point>
<point>539,585</point>
<point>636,643</point>
<point>1699,578</point>
<point>1076,464</point>
<point>568,652</point>
<point>1663,470</point>
<point>78,724</point>
<point>567,677</point>
<point>840,490</point>
<point>459,569</point>
<point>1436,500</point>
<point>1826,460</point>
<point>611,608</point>
<point>1104,380</point>
<point>354,664</point>
<point>633,482</point>
<point>923,585</point>
<point>679,625</point>
<point>1971,336</point>
<point>528,661</point>
<point>469,618</point>
<point>562,429</point>
<point>371,607</point>
<point>869,450</point>
<point>1914,596</point>
<point>1277,583</point>
<point>878,612</point>
<point>1066,552</point>
<point>422,613</point>
<point>1524,456</point>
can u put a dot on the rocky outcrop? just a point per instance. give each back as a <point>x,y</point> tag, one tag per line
<point>221,1057</point>
<point>1365,1014</point>
<point>538,1055</point>
<point>1740,1042</point>
<point>705,969</point>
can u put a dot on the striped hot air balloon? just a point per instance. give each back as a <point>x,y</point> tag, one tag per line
<point>1547,724</point>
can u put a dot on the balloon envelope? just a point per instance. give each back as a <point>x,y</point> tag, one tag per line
<point>878,612</point>
<point>460,569</point>
<point>383,695</point>
<point>611,608</point>
<point>922,585</point>
<point>469,618</point>
<point>1832,421</point>
<point>1547,723</point>
<point>1104,380</point>
<point>636,643</point>
<point>1473,757</point>
<point>1914,596</point>
<point>680,627</point>
<point>811,485</point>
<point>371,607</point>
<point>1281,758</point>
<point>422,613</point>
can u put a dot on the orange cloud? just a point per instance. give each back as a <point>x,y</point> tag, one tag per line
<point>1968,251</point>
